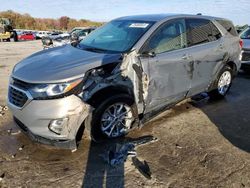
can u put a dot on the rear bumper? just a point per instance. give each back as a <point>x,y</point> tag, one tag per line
<point>245,59</point>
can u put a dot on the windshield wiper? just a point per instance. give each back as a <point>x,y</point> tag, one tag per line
<point>93,49</point>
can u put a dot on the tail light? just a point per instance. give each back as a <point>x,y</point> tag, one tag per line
<point>241,43</point>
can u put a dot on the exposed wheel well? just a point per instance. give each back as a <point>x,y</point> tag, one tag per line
<point>233,66</point>
<point>108,92</point>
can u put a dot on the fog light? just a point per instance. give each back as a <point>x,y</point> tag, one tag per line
<point>57,125</point>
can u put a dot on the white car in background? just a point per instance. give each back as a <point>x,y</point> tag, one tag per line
<point>41,34</point>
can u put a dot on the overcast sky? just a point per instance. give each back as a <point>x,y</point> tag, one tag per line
<point>104,10</point>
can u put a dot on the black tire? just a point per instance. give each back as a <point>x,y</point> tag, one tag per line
<point>15,37</point>
<point>8,40</point>
<point>215,94</point>
<point>93,121</point>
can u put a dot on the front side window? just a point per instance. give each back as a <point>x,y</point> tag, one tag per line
<point>116,36</point>
<point>171,36</point>
<point>201,31</point>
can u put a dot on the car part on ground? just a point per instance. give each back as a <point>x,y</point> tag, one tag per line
<point>119,152</point>
<point>142,167</point>
<point>130,69</point>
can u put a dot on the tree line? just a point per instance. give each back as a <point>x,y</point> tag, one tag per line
<point>25,21</point>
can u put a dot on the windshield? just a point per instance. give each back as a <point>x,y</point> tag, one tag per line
<point>245,34</point>
<point>116,36</point>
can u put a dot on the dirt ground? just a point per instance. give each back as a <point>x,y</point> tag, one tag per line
<point>200,144</point>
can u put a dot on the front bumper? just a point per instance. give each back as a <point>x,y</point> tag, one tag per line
<point>35,116</point>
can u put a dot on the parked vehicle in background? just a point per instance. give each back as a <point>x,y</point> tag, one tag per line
<point>41,34</point>
<point>245,54</point>
<point>76,34</point>
<point>26,36</point>
<point>121,75</point>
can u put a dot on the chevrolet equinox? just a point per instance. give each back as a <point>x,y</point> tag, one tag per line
<point>121,75</point>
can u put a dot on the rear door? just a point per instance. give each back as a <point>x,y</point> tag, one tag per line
<point>168,67</point>
<point>206,45</point>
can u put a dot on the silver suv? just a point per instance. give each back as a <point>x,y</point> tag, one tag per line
<point>121,75</point>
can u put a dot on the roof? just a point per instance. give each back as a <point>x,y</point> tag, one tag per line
<point>159,17</point>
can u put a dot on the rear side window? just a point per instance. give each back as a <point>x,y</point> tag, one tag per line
<point>228,26</point>
<point>201,31</point>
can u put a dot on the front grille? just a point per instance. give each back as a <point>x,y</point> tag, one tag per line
<point>17,97</point>
<point>245,56</point>
<point>21,84</point>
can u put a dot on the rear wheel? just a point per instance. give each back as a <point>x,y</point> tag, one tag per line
<point>222,83</point>
<point>112,118</point>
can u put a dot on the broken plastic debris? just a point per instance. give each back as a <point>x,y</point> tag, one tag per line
<point>74,150</point>
<point>119,155</point>
<point>13,156</point>
<point>5,108</point>
<point>144,140</point>
<point>2,176</point>
<point>15,133</point>
<point>178,146</point>
<point>142,167</point>
<point>21,148</point>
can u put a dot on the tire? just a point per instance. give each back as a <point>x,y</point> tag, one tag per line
<point>224,78</point>
<point>15,37</point>
<point>97,120</point>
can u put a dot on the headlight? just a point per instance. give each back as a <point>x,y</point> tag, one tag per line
<point>44,91</point>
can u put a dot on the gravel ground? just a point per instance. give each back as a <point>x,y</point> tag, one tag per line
<point>199,144</point>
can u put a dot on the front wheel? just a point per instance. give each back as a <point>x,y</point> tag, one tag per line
<point>112,118</point>
<point>223,83</point>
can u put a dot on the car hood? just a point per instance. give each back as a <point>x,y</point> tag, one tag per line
<point>246,44</point>
<point>60,64</point>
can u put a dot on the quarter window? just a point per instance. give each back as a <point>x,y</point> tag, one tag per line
<point>201,31</point>
<point>228,25</point>
<point>171,36</point>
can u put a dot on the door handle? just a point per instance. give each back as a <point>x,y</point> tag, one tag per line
<point>186,56</point>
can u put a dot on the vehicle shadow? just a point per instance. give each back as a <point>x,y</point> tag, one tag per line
<point>98,172</point>
<point>231,114</point>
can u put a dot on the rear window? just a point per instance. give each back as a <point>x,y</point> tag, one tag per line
<point>201,31</point>
<point>228,26</point>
